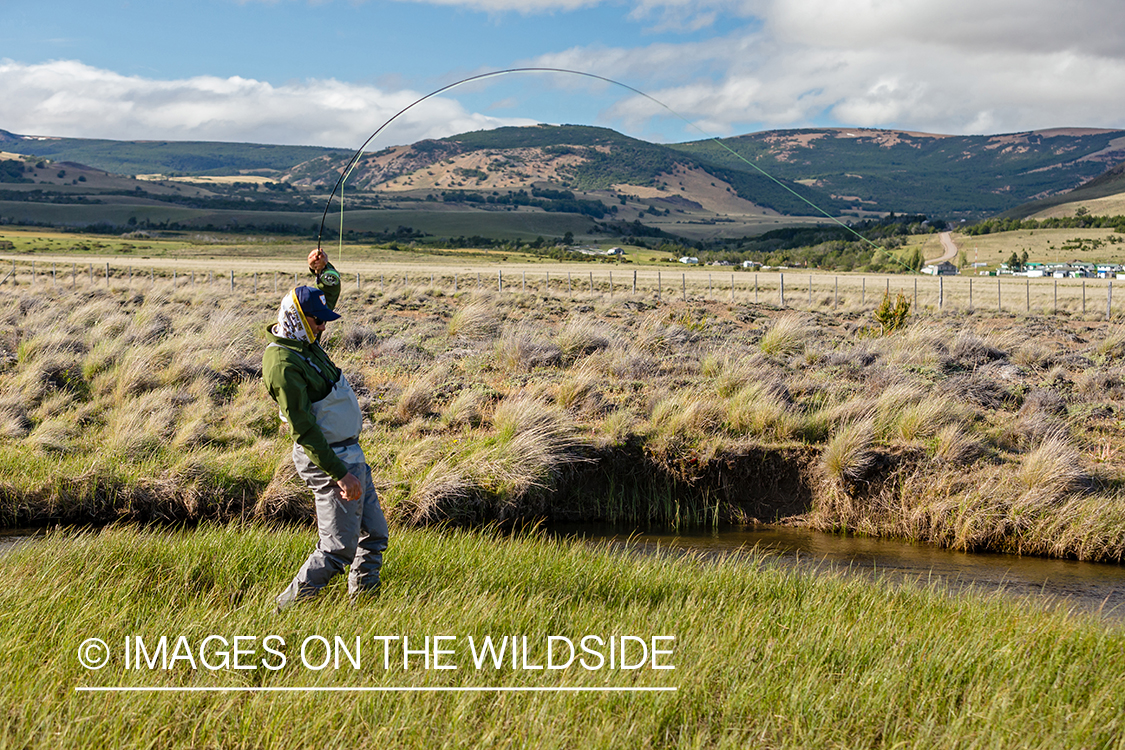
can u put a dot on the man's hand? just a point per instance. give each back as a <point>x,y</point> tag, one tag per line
<point>350,487</point>
<point>317,260</point>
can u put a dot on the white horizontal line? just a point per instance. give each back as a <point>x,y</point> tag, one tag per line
<point>363,689</point>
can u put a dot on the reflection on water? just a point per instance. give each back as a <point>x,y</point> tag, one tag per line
<point>12,538</point>
<point>1087,586</point>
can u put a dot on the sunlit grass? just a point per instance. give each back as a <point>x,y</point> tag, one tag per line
<point>762,656</point>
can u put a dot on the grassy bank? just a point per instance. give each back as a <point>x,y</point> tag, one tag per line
<point>999,432</point>
<point>762,656</point>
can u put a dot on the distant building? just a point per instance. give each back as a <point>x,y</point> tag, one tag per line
<point>689,261</point>
<point>945,268</point>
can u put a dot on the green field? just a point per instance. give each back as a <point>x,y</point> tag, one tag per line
<point>761,656</point>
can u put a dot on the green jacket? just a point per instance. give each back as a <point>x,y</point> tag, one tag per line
<point>295,384</point>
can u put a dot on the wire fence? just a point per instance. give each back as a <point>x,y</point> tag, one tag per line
<point>800,291</point>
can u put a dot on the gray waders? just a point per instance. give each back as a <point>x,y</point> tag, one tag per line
<point>351,532</point>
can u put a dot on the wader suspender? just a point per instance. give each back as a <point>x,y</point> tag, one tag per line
<point>342,443</point>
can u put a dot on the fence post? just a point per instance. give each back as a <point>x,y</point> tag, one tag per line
<point>940,292</point>
<point>683,285</point>
<point>634,282</point>
<point>591,282</point>
<point>523,281</point>
<point>611,283</point>
<point>107,274</point>
<point>658,285</point>
<point>1028,289</point>
<point>500,280</point>
<point>781,288</point>
<point>999,305</point>
<point>232,280</point>
<point>970,294</point>
<point>732,288</point>
<point>1056,308</point>
<point>1109,302</point>
<point>454,283</point>
<point>1083,296</point>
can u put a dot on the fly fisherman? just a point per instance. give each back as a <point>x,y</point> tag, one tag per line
<point>323,415</point>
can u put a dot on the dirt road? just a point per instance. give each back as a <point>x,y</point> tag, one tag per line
<point>949,248</point>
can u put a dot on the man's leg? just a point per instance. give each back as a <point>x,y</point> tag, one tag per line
<point>337,523</point>
<point>372,537</point>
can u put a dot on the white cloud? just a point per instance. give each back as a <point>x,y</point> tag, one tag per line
<point>953,66</point>
<point>68,98</point>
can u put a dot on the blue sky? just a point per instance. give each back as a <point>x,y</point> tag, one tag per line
<point>328,72</point>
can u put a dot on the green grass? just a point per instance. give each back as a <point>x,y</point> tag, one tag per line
<point>763,657</point>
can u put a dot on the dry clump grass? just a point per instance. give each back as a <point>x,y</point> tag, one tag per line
<point>759,411</point>
<point>1051,469</point>
<point>285,497</point>
<point>848,453</point>
<point>578,389</point>
<point>935,398</point>
<point>683,416</point>
<point>1112,346</point>
<point>529,443</point>
<point>467,408</point>
<point>518,350</point>
<point>415,401</point>
<point>580,337</point>
<point>954,445</point>
<point>787,336</point>
<point>477,320</point>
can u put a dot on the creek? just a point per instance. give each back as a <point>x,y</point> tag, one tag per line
<point>1080,586</point>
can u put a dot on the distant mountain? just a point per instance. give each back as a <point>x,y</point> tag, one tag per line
<point>571,156</point>
<point>840,171</point>
<point>947,176</point>
<point>1107,185</point>
<point>165,157</point>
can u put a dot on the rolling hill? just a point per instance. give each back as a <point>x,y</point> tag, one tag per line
<point>521,182</point>
<point>947,176</point>
<point>164,157</point>
<point>1104,196</point>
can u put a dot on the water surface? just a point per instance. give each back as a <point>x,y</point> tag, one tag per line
<point>1097,587</point>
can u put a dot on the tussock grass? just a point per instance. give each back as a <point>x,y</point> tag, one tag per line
<point>476,320</point>
<point>848,454</point>
<point>786,337</point>
<point>510,405</point>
